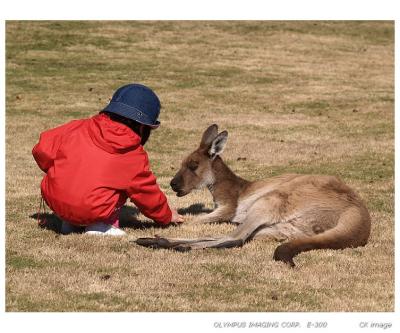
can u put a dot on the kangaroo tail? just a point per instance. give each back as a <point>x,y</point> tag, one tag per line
<point>352,230</point>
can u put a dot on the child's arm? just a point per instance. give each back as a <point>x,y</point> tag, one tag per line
<point>147,196</point>
<point>45,150</point>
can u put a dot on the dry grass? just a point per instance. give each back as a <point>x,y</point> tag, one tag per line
<point>307,97</point>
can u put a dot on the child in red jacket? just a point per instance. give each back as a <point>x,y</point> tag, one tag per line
<point>94,165</point>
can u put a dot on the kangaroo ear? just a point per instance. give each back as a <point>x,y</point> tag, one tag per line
<point>208,136</point>
<point>218,144</point>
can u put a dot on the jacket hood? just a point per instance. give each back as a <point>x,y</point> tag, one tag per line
<point>112,136</point>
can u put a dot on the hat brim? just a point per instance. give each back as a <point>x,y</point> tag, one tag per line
<point>131,113</point>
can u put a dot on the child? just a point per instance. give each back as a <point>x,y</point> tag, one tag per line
<point>94,165</point>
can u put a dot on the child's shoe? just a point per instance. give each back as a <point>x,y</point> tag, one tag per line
<point>68,228</point>
<point>103,229</point>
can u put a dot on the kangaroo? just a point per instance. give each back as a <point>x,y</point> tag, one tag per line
<point>306,211</point>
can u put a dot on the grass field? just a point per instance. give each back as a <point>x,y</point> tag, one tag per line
<point>305,97</point>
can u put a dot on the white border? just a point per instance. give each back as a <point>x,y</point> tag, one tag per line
<point>188,10</point>
<point>2,163</point>
<point>200,9</point>
<point>195,322</point>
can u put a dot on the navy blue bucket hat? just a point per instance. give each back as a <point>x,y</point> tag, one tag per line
<point>136,102</point>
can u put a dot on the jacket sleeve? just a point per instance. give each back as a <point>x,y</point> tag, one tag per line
<point>45,151</point>
<point>148,197</point>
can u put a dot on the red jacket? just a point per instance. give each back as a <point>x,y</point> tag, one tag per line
<point>92,166</point>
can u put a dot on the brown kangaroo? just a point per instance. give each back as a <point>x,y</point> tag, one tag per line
<point>307,211</point>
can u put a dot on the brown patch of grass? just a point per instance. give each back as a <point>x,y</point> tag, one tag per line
<point>308,97</point>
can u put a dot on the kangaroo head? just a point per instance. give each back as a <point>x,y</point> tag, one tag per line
<point>196,169</point>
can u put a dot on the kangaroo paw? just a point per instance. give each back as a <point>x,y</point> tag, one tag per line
<point>182,248</point>
<point>155,243</point>
<point>284,253</point>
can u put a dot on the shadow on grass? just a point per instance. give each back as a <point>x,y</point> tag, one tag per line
<point>50,221</point>
<point>194,209</point>
<point>127,219</point>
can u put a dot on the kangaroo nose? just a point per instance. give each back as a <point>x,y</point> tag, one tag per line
<point>173,183</point>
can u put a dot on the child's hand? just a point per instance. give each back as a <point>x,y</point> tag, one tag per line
<point>176,218</point>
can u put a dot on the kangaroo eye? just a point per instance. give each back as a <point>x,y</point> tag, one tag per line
<point>192,165</point>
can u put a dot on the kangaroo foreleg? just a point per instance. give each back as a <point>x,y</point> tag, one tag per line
<point>219,215</point>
